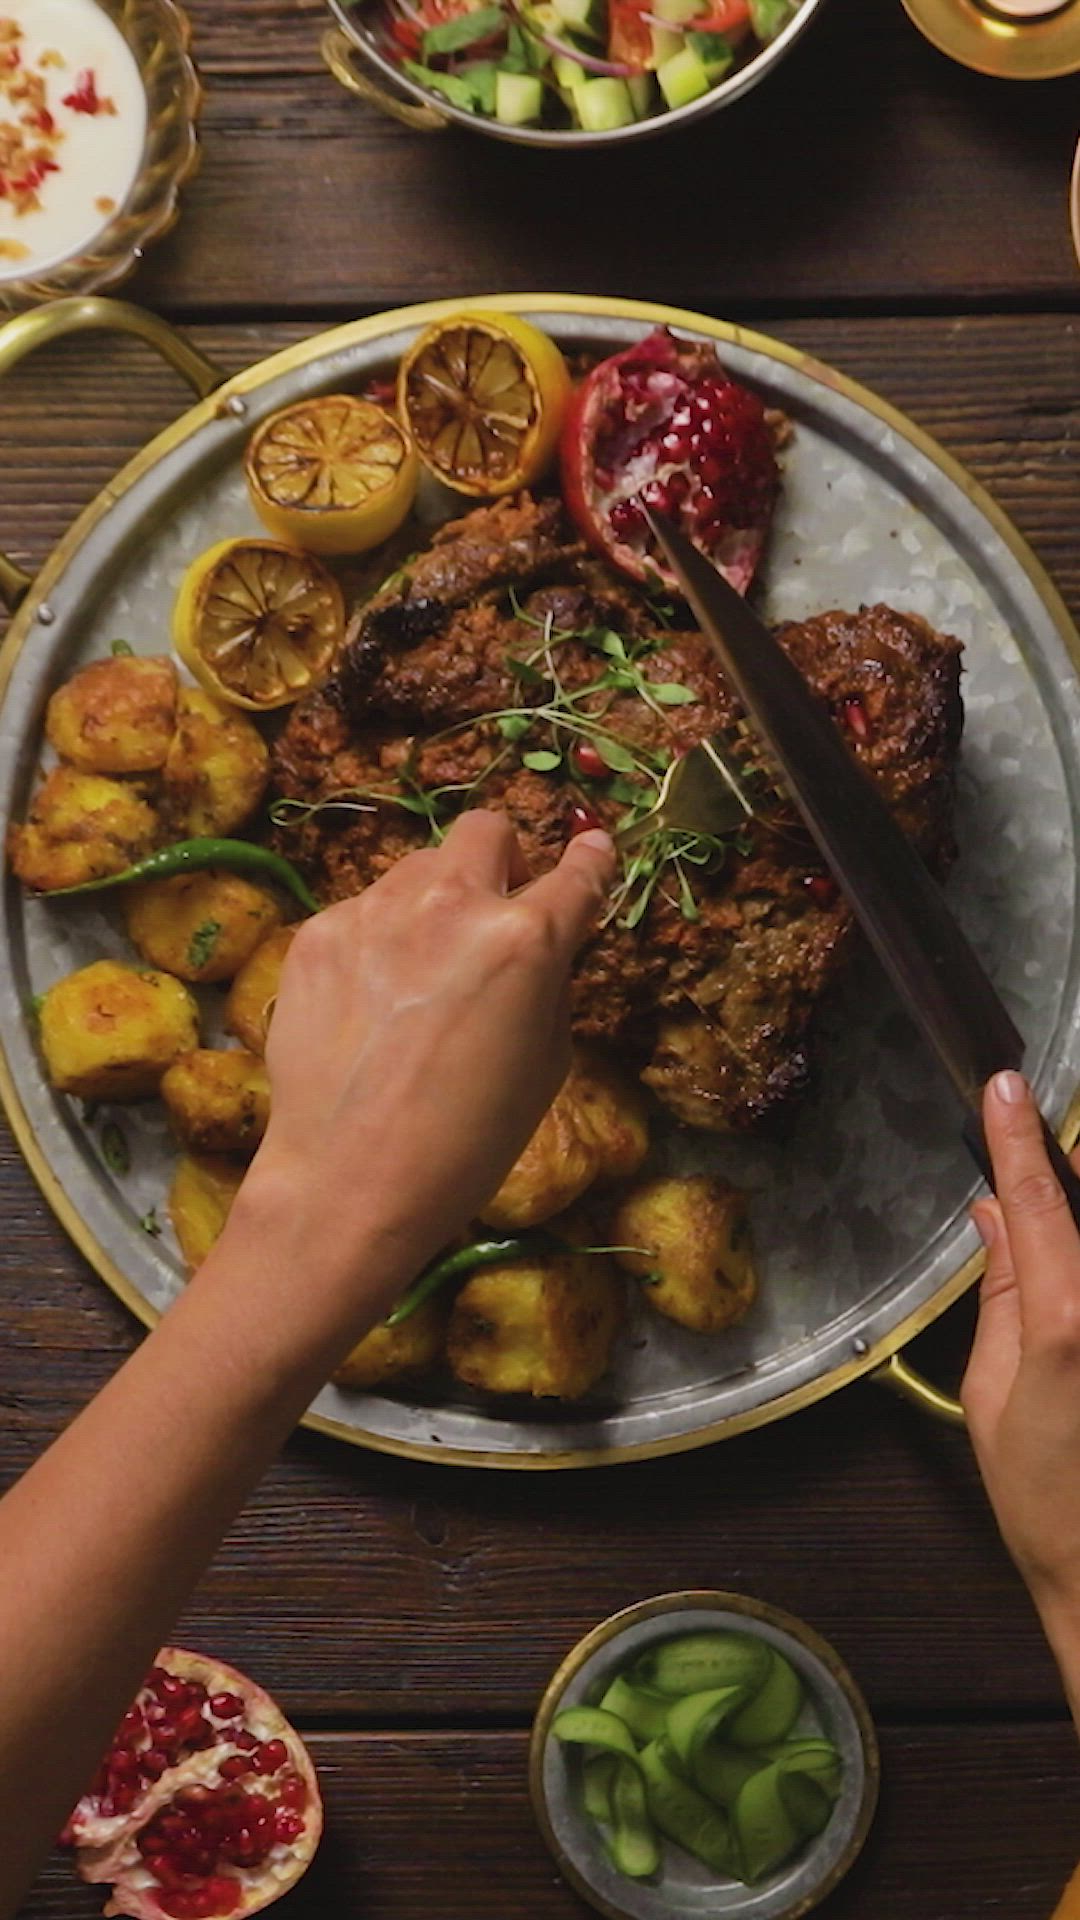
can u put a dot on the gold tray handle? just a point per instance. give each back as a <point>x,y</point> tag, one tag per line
<point>337,52</point>
<point>899,1378</point>
<point>41,325</point>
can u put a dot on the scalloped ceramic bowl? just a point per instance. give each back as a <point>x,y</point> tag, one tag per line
<point>159,35</point>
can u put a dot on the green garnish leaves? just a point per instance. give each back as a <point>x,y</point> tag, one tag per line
<point>614,754</point>
<point>151,1224</point>
<point>671,694</point>
<point>544,760</point>
<point>202,944</point>
<point>451,36</point>
<point>120,650</point>
<point>524,670</point>
<point>114,1148</point>
<point>513,726</point>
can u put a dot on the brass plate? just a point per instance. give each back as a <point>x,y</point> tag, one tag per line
<point>1008,49</point>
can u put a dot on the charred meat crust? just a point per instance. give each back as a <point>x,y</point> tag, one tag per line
<point>715,1013</point>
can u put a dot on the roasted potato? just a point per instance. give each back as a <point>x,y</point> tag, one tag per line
<point>594,1129</point>
<point>200,926</point>
<point>216,768</point>
<point>541,1327</point>
<point>250,1000</point>
<point>698,1263</point>
<point>109,1032</point>
<point>218,1102</point>
<point>80,827</point>
<point>202,1192</point>
<point>115,716</point>
<point>387,1353</point>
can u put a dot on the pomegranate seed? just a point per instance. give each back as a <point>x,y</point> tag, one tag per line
<point>226,1706</point>
<point>822,888</point>
<point>169,1687</point>
<point>655,495</point>
<point>588,761</point>
<point>854,714</point>
<point>107,1806</point>
<point>122,1762</point>
<point>245,1741</point>
<point>235,1767</point>
<point>190,1799</point>
<point>153,1763</point>
<point>678,487</point>
<point>226,1892</point>
<point>131,1725</point>
<point>294,1792</point>
<point>288,1825</point>
<point>581,819</point>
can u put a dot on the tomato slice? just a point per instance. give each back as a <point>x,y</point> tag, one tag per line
<point>629,35</point>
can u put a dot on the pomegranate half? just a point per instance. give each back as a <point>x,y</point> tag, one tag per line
<point>664,424</point>
<point>206,1803</point>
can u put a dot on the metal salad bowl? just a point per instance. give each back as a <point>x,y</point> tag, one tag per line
<point>860,1218</point>
<point>357,59</point>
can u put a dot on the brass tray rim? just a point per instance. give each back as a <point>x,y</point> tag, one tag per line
<point>877,1354</point>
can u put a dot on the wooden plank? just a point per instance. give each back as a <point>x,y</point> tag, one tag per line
<point>866,169</point>
<point>973,1821</point>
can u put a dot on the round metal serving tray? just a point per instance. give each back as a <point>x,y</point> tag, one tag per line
<point>860,1218</point>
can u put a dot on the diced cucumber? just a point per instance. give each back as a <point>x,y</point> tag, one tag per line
<point>770,17</point>
<point>582,16</point>
<point>569,74</point>
<point>642,94</point>
<point>480,76</point>
<point>603,104</point>
<point>715,53</point>
<point>519,98</point>
<point>677,11</point>
<point>683,78</point>
<point>665,43</point>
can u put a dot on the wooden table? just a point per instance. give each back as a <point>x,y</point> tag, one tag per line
<point>906,221</point>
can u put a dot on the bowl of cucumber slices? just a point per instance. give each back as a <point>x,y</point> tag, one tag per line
<point>703,1753</point>
<point>559,72</point>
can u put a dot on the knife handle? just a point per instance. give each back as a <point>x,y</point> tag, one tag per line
<point>1068,1179</point>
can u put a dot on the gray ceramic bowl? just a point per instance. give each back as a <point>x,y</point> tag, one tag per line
<point>686,1890</point>
<point>355,57</point>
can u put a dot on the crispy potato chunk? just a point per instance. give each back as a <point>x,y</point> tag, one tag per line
<point>542,1327</point>
<point>80,827</point>
<point>699,1261</point>
<point>595,1129</point>
<point>218,1102</point>
<point>216,769</point>
<point>200,926</point>
<point>200,1197</point>
<point>387,1353</point>
<point>115,716</point>
<point>250,1000</point>
<point>109,1032</point>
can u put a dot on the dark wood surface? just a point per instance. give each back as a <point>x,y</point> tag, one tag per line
<point>905,221</point>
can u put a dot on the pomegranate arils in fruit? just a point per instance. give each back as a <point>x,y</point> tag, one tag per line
<point>589,762</point>
<point>581,820</point>
<point>854,716</point>
<point>206,1804</point>
<point>664,424</point>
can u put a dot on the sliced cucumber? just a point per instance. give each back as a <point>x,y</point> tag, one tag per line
<point>568,74</point>
<point>519,98</point>
<point>582,16</point>
<point>642,94</point>
<point>683,78</point>
<point>602,105</point>
<point>773,1711</point>
<point>665,43</point>
<point>678,11</point>
<point>644,1712</point>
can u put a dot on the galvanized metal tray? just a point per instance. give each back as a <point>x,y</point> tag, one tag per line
<point>860,1219</point>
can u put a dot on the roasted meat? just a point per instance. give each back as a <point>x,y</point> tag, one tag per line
<point>711,995</point>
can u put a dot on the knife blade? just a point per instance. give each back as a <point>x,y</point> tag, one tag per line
<point>898,904</point>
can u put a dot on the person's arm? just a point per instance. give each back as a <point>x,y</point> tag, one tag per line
<point>420,1033</point>
<point>1021,1392</point>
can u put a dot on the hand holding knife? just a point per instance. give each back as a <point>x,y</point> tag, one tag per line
<point>896,901</point>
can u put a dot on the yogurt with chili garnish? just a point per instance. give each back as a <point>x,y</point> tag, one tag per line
<point>72,130</point>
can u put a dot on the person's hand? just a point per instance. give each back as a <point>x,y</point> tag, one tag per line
<point>1021,1392</point>
<point>420,1033</point>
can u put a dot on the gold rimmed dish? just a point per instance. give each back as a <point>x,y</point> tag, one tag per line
<point>685,1890</point>
<point>1000,40</point>
<point>158,35</point>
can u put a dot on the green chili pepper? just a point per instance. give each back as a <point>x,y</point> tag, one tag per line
<point>481,1253</point>
<point>190,856</point>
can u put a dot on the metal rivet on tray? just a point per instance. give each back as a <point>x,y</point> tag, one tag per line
<point>859,1345</point>
<point>235,406</point>
<point>45,615</point>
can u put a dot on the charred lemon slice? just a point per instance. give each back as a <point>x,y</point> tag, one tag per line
<point>333,475</point>
<point>483,396</point>
<point>257,623</point>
